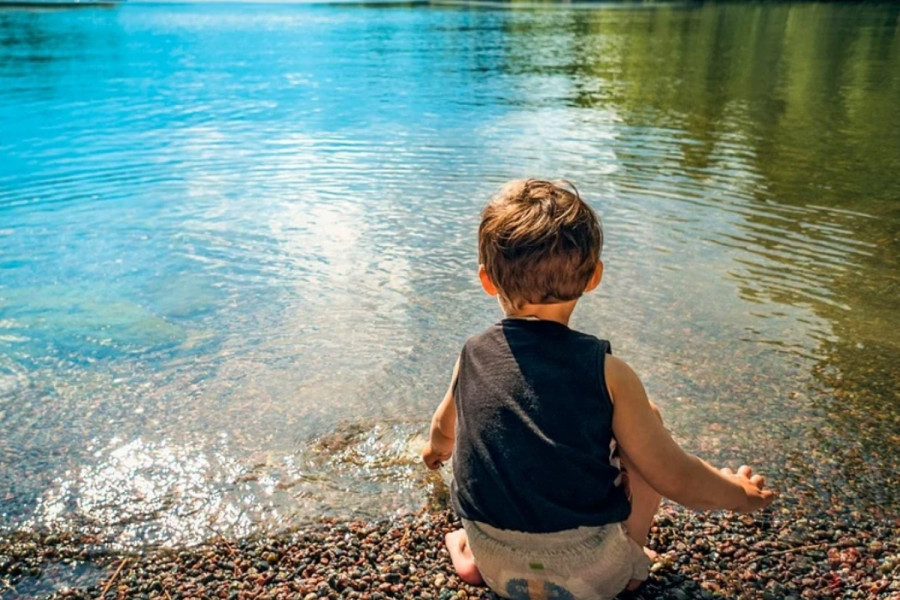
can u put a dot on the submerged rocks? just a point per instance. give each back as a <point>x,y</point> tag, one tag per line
<point>701,556</point>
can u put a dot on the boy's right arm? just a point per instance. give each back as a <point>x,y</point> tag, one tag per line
<point>671,471</point>
<point>442,436</point>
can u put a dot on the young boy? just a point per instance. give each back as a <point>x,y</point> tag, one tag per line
<point>559,458</point>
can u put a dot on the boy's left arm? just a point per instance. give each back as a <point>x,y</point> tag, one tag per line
<point>443,429</point>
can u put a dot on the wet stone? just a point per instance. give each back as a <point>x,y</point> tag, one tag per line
<point>700,556</point>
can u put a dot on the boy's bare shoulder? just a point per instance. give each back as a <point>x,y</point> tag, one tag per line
<point>623,383</point>
<point>618,372</point>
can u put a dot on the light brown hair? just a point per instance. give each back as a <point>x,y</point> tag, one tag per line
<point>539,242</point>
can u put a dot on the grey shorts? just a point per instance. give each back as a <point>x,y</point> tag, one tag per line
<point>585,563</point>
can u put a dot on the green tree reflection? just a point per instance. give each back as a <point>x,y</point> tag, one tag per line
<point>805,98</point>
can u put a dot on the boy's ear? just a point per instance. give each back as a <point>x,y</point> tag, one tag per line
<point>596,277</point>
<point>486,283</point>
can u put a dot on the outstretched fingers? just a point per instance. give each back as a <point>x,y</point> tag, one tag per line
<point>754,486</point>
<point>747,473</point>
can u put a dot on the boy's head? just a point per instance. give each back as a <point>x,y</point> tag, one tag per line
<point>539,242</point>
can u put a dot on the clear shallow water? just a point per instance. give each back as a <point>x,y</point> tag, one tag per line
<point>237,248</point>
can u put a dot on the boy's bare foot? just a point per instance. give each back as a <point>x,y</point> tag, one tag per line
<point>461,555</point>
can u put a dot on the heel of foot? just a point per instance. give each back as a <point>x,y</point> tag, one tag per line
<point>462,558</point>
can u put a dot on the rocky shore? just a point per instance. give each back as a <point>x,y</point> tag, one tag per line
<point>719,555</point>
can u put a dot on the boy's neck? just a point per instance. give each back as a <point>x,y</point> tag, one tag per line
<point>559,312</point>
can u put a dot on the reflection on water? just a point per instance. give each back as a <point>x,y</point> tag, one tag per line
<point>234,275</point>
<point>180,493</point>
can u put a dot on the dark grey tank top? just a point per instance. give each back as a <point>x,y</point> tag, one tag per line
<point>534,445</point>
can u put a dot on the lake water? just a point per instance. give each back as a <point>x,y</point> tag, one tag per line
<point>237,243</point>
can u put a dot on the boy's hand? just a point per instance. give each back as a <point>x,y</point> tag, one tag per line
<point>756,496</point>
<point>434,457</point>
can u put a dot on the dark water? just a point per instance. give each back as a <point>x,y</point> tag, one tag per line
<point>237,243</point>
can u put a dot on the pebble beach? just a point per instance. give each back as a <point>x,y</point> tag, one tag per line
<point>710,555</point>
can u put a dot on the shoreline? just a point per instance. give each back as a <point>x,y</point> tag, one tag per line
<point>769,556</point>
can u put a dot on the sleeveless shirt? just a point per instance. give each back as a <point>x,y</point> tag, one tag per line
<point>534,446</point>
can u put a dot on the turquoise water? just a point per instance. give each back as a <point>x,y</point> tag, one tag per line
<point>237,242</point>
